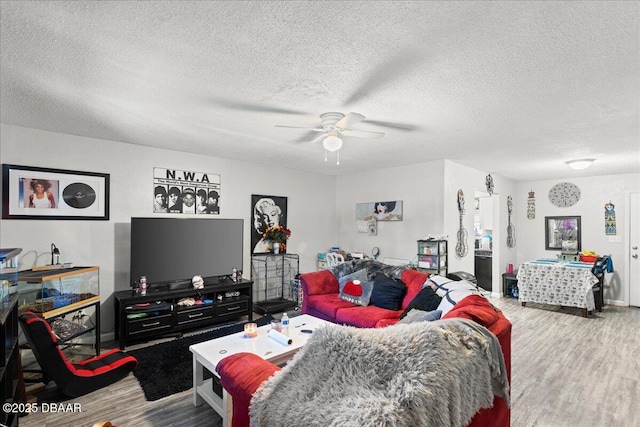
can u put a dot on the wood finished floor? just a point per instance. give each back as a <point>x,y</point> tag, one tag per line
<point>570,371</point>
<point>567,371</point>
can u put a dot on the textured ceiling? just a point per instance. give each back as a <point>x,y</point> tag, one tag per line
<point>511,88</point>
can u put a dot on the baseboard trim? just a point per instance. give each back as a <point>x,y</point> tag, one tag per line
<point>615,302</point>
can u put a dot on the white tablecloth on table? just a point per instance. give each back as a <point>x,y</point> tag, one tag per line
<point>568,284</point>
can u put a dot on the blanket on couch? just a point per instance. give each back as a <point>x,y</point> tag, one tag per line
<point>419,374</point>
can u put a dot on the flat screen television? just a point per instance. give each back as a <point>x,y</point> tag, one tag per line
<point>170,251</point>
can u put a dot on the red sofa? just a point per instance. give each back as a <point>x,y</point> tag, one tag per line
<point>321,299</point>
<point>241,374</point>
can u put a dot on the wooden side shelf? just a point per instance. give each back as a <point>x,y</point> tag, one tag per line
<point>509,283</point>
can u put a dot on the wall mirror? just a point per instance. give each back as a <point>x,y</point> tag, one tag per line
<point>563,233</point>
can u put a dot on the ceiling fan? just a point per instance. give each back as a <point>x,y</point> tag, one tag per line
<point>333,125</point>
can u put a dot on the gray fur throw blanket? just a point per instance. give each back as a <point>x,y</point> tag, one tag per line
<point>419,374</point>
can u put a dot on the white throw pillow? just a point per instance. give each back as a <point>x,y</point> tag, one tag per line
<point>451,291</point>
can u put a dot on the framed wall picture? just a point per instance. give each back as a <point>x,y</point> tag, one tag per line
<point>379,211</point>
<point>41,193</point>
<point>178,191</point>
<point>266,211</point>
<point>563,233</point>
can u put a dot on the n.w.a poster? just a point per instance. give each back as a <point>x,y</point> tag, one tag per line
<point>185,192</point>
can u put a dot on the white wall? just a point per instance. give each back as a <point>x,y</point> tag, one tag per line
<point>321,209</point>
<point>429,209</point>
<point>429,194</point>
<point>420,189</point>
<point>471,180</point>
<point>311,203</point>
<point>595,192</point>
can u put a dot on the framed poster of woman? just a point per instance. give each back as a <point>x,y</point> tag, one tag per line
<point>267,211</point>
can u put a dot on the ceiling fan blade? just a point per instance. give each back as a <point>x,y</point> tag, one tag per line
<point>402,62</point>
<point>255,107</point>
<point>349,120</point>
<point>319,138</point>
<point>300,127</point>
<point>362,134</point>
<point>399,126</point>
<point>307,136</point>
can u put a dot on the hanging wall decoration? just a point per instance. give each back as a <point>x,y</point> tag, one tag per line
<point>373,228</point>
<point>531,205</point>
<point>461,247</point>
<point>489,183</point>
<point>185,192</point>
<point>609,219</point>
<point>369,227</point>
<point>511,229</point>
<point>564,194</point>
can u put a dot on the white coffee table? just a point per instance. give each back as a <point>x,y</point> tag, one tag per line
<point>207,355</point>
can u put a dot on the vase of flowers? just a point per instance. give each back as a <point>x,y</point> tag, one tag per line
<point>277,234</point>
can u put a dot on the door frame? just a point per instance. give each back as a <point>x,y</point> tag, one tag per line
<point>627,244</point>
<point>496,275</point>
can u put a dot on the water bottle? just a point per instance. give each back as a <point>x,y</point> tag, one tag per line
<point>285,324</point>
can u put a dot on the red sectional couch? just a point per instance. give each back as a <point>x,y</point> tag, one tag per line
<point>321,299</point>
<point>241,374</point>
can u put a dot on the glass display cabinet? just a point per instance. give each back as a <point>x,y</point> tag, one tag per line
<point>8,272</point>
<point>53,292</point>
<point>56,292</point>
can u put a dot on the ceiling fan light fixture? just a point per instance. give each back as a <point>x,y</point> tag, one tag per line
<point>580,163</point>
<point>332,143</point>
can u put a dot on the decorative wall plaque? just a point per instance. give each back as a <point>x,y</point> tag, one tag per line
<point>564,194</point>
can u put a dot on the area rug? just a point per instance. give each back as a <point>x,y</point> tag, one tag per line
<point>166,368</point>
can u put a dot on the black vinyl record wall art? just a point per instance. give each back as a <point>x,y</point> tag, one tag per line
<point>79,195</point>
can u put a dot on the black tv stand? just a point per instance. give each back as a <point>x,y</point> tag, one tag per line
<point>171,318</point>
<point>218,280</point>
<point>179,284</point>
<point>208,281</point>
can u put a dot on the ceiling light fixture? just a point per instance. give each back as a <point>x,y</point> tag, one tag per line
<point>332,143</point>
<point>580,163</point>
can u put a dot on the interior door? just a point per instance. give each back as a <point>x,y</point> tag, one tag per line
<point>634,252</point>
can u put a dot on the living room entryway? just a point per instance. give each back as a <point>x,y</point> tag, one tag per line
<point>483,226</point>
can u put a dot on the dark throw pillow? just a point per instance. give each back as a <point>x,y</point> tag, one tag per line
<point>425,300</point>
<point>387,292</point>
